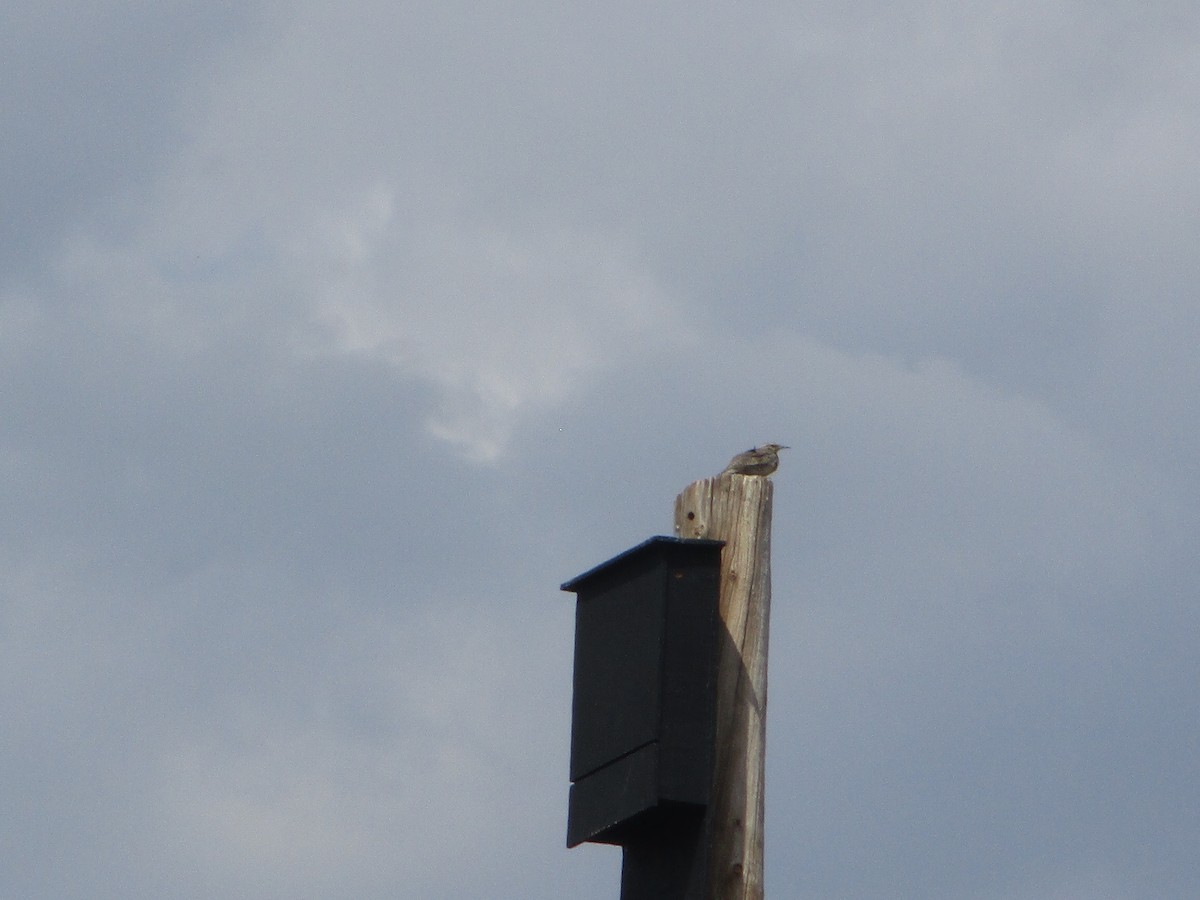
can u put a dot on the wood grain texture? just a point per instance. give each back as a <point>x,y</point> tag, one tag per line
<point>737,509</point>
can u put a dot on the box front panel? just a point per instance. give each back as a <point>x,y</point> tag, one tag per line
<point>618,665</point>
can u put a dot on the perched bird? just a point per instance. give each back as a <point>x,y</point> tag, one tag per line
<point>757,461</point>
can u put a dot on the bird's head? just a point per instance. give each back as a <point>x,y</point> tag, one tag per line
<point>775,447</point>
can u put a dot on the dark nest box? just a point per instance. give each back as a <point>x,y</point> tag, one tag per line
<point>643,713</point>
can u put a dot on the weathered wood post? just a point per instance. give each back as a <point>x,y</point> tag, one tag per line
<point>736,509</point>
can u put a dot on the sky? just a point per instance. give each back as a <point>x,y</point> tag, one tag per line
<point>335,337</point>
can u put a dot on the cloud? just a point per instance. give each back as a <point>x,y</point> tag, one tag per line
<point>411,744</point>
<point>334,337</point>
<point>502,325</point>
<point>90,98</point>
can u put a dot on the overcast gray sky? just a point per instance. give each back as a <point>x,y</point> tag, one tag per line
<point>334,336</point>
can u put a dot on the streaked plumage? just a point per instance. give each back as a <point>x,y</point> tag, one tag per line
<point>757,461</point>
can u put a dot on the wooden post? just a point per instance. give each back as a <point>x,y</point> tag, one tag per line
<point>737,509</point>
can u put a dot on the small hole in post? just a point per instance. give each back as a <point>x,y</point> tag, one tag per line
<point>691,516</point>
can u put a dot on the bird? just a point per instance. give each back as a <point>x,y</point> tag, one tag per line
<point>756,461</point>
